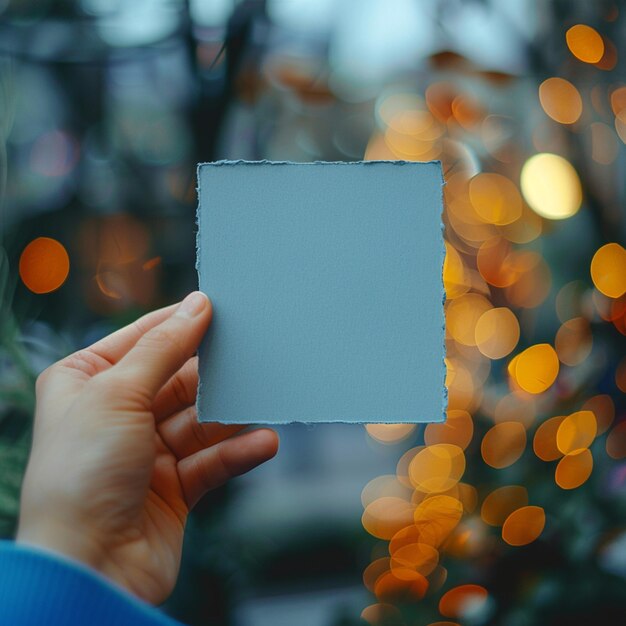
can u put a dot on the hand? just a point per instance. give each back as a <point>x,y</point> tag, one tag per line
<point>118,457</point>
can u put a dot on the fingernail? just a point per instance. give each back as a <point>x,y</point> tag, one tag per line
<point>192,305</point>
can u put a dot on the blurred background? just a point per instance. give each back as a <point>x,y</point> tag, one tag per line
<point>513,512</point>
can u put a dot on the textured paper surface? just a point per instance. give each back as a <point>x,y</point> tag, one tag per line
<point>326,283</point>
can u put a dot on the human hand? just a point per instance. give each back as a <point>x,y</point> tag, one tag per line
<point>118,457</point>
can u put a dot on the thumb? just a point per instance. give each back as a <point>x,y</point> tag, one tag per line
<point>164,349</point>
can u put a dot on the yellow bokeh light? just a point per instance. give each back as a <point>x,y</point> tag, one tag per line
<point>503,444</point>
<point>500,503</point>
<point>574,469</point>
<point>437,468</point>
<point>374,571</point>
<point>390,588</point>
<point>382,615</point>
<point>457,430</point>
<point>497,332</point>
<point>576,431</point>
<point>455,276</point>
<point>585,43</point>
<point>44,265</point>
<point>560,100</point>
<point>524,525</point>
<point>608,270</point>
<point>495,199</point>
<point>536,368</point>
<point>551,186</point>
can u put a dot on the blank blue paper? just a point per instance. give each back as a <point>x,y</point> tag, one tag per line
<point>326,283</point>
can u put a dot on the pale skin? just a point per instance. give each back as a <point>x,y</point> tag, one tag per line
<point>118,457</point>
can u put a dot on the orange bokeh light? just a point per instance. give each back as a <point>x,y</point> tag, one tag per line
<point>536,368</point>
<point>462,599</point>
<point>544,443</point>
<point>524,525</point>
<point>458,430</point>
<point>437,468</point>
<point>560,100</point>
<point>574,469</point>
<point>503,444</point>
<point>576,431</point>
<point>44,265</point>
<point>500,503</point>
<point>497,332</point>
<point>585,43</point>
<point>608,270</point>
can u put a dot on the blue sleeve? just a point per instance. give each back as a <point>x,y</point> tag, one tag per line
<point>37,587</point>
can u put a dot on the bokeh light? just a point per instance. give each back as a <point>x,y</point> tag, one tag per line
<point>458,430</point>
<point>608,270</point>
<point>461,600</point>
<point>585,43</point>
<point>536,368</point>
<point>389,433</point>
<point>574,469</point>
<point>551,186</point>
<point>524,525</point>
<point>544,442</point>
<point>576,431</point>
<point>573,341</point>
<point>501,502</point>
<point>560,100</point>
<point>497,332</point>
<point>503,444</point>
<point>437,468</point>
<point>44,265</point>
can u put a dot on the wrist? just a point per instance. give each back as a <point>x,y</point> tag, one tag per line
<point>54,537</point>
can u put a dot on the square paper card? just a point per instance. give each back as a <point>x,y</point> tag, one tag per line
<point>326,283</point>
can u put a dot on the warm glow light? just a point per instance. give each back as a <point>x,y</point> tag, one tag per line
<point>462,600</point>
<point>374,571</point>
<point>386,485</point>
<point>390,588</point>
<point>457,429</point>
<point>389,433</point>
<point>551,186</point>
<point>455,277</point>
<point>497,332</point>
<point>603,408</point>
<point>495,198</point>
<point>573,341</point>
<point>382,615</point>
<point>616,441</point>
<point>560,100</point>
<point>503,444</point>
<point>437,468</point>
<point>500,503</point>
<point>384,517</point>
<point>44,265</point>
<point>462,314</point>
<point>585,43</point>
<point>537,368</point>
<point>524,525</point>
<point>576,431</point>
<point>574,469</point>
<point>436,518</point>
<point>608,270</point>
<point>544,443</point>
<point>412,559</point>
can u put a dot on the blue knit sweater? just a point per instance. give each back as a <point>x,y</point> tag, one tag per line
<point>37,587</point>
